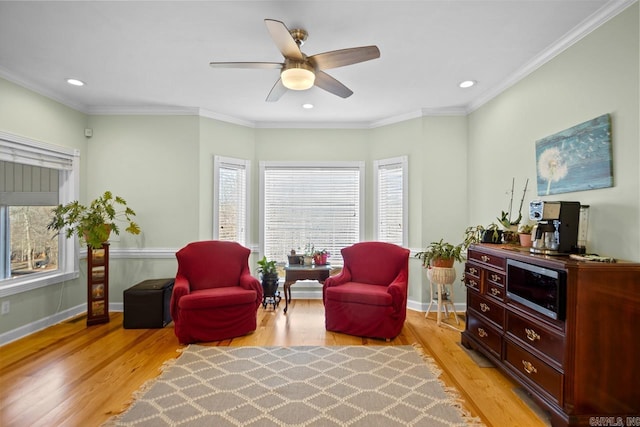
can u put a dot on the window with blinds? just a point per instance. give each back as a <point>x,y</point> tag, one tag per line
<point>391,200</point>
<point>317,204</point>
<point>34,178</point>
<point>230,199</point>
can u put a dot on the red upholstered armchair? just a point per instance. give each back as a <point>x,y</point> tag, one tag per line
<point>369,297</point>
<point>215,297</point>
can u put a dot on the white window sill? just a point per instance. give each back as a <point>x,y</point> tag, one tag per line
<point>35,281</point>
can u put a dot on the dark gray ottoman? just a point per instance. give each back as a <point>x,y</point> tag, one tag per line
<point>146,305</point>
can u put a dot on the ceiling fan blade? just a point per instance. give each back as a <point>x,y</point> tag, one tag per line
<point>277,91</point>
<point>252,65</point>
<point>342,57</point>
<point>283,39</point>
<point>328,83</point>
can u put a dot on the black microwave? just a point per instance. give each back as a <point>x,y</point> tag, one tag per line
<point>541,289</point>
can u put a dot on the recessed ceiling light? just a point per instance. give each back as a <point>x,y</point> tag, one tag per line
<point>75,82</point>
<point>467,83</point>
<point>307,106</point>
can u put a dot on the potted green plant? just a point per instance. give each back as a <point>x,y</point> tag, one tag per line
<point>481,234</point>
<point>269,273</point>
<point>94,223</point>
<point>440,254</point>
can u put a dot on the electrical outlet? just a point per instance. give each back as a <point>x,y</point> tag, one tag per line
<point>6,307</point>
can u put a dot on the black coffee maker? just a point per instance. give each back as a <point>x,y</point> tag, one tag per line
<point>556,230</point>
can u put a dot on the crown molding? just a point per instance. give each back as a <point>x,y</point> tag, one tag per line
<point>597,19</point>
<point>6,74</point>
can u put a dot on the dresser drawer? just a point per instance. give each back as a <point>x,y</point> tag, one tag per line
<point>491,310</point>
<point>484,333</point>
<point>535,336</point>
<point>472,282</point>
<point>485,258</point>
<point>472,270</point>
<point>494,291</point>
<point>495,278</point>
<point>534,369</point>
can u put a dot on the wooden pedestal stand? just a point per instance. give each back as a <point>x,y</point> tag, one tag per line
<point>98,285</point>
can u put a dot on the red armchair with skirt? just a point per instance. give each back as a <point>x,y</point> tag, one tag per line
<point>369,297</point>
<point>215,297</point>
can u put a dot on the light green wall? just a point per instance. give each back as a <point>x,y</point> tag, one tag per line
<point>27,114</point>
<point>597,75</point>
<point>220,139</point>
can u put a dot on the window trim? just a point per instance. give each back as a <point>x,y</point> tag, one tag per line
<point>360,165</point>
<point>218,161</point>
<point>20,149</point>
<point>404,164</point>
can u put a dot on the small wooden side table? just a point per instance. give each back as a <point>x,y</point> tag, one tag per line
<point>293,273</point>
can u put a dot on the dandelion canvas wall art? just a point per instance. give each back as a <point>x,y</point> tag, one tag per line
<point>576,159</point>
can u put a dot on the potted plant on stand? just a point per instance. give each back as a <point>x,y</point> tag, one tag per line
<point>94,224</point>
<point>438,258</point>
<point>269,273</point>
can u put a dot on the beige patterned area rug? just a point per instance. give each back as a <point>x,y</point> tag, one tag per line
<point>297,386</point>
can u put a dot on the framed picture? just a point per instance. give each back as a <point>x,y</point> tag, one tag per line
<point>575,159</point>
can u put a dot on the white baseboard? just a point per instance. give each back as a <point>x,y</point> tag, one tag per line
<point>41,324</point>
<point>312,292</point>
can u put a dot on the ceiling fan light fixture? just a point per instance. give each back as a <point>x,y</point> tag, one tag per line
<point>297,76</point>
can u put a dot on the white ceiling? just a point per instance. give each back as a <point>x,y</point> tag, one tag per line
<point>153,57</point>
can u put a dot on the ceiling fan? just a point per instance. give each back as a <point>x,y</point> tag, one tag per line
<point>299,71</point>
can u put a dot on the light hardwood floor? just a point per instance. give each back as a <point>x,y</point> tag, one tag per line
<point>71,375</point>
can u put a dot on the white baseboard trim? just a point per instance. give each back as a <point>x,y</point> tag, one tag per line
<point>41,324</point>
<point>411,305</point>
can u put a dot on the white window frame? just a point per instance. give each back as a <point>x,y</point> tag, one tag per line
<point>403,162</point>
<point>19,149</point>
<point>218,162</point>
<point>360,165</point>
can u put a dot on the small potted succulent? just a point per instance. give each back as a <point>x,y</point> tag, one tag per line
<point>440,254</point>
<point>94,223</point>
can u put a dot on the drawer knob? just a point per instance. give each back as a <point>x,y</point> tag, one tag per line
<point>495,278</point>
<point>484,307</point>
<point>529,368</point>
<point>473,270</point>
<point>485,258</point>
<point>482,333</point>
<point>473,283</point>
<point>531,334</point>
<point>495,292</point>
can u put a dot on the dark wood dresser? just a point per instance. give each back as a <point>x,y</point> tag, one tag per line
<point>583,369</point>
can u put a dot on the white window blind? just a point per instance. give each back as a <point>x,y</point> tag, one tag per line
<point>313,204</point>
<point>391,200</point>
<point>34,177</point>
<point>230,199</point>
